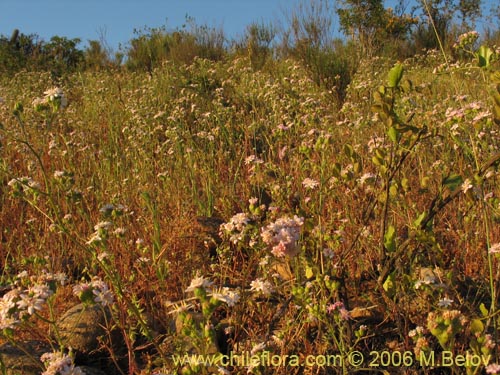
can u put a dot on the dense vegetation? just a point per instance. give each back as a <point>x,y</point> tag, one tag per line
<point>287,193</point>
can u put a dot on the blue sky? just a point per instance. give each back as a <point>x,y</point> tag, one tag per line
<point>116,19</point>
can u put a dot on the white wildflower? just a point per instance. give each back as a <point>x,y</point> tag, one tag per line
<point>98,283</point>
<point>366,177</point>
<point>252,159</point>
<point>235,227</point>
<point>104,297</point>
<point>445,302</point>
<point>8,322</point>
<point>495,248</point>
<point>143,260</point>
<point>199,282</point>
<point>41,291</point>
<point>96,238</point>
<point>80,289</point>
<point>24,184</point>
<point>258,348</point>
<point>56,95</point>
<point>228,296</point>
<point>328,253</point>
<point>59,364</point>
<point>309,183</point>
<point>261,286</point>
<point>102,256</point>
<point>264,261</point>
<point>466,186</point>
<point>105,225</point>
<point>119,231</point>
<point>30,303</point>
<point>22,275</point>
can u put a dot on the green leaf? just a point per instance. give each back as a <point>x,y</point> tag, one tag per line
<point>393,190</point>
<point>419,219</point>
<point>496,98</point>
<point>484,310</point>
<point>378,97</point>
<point>405,184</point>
<point>382,109</point>
<point>424,183</point>
<point>309,273</point>
<point>476,326</point>
<point>495,77</point>
<point>484,55</point>
<point>389,121</point>
<point>336,169</point>
<point>390,239</point>
<point>380,153</point>
<point>443,338</point>
<point>377,161</point>
<point>453,181</point>
<point>406,85</point>
<point>496,114</point>
<point>496,106</point>
<point>348,150</point>
<point>390,285</point>
<point>395,75</point>
<point>393,134</point>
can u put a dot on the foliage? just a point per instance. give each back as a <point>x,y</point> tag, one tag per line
<point>154,46</point>
<point>257,44</point>
<point>308,39</point>
<point>371,25</point>
<point>96,57</point>
<point>22,51</point>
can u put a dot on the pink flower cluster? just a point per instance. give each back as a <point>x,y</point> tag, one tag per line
<point>283,235</point>
<point>340,308</point>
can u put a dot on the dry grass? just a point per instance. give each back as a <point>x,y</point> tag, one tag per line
<point>198,142</point>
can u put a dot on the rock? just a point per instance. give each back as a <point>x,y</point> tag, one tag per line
<point>25,361</point>
<point>81,327</point>
<point>87,370</point>
<point>367,315</point>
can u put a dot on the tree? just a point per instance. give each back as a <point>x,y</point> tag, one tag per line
<point>96,56</point>
<point>370,24</point>
<point>19,51</point>
<point>470,11</point>
<point>360,19</point>
<point>439,15</point>
<point>257,42</point>
<point>61,54</point>
<point>309,40</point>
<point>432,31</point>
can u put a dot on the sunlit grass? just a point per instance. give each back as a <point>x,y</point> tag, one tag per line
<point>323,249</point>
